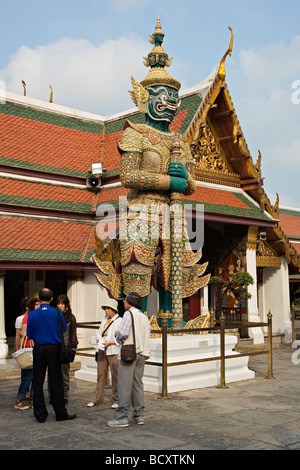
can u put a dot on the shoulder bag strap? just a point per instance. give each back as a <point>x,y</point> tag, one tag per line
<point>109,326</point>
<point>132,327</point>
<point>60,327</point>
<point>102,334</point>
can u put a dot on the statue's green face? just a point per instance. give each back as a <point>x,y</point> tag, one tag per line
<point>163,103</point>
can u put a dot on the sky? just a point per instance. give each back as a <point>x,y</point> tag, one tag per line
<point>87,51</point>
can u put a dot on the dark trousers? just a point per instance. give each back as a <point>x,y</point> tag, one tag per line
<point>47,356</point>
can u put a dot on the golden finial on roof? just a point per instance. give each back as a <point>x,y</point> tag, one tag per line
<point>51,94</point>
<point>222,71</point>
<point>24,86</point>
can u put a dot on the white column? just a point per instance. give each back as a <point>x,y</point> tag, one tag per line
<point>204,298</point>
<point>284,323</point>
<point>3,343</point>
<point>275,297</point>
<point>253,316</point>
<point>76,294</point>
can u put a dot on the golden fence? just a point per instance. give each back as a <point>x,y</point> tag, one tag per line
<point>223,324</point>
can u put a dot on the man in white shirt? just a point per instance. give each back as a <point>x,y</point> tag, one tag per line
<point>130,374</point>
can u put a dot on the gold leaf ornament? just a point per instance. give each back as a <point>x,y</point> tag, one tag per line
<point>139,95</point>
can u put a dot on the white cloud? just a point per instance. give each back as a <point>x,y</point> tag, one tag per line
<point>262,81</point>
<point>83,76</point>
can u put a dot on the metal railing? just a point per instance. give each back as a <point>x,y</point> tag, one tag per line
<point>221,328</point>
<point>294,311</point>
<point>222,357</point>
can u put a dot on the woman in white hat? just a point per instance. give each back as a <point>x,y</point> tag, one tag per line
<point>107,353</point>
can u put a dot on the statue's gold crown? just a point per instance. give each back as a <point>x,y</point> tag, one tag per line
<point>158,59</point>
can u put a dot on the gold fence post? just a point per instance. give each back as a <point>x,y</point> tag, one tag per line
<point>164,392</point>
<point>270,352</point>
<point>222,352</point>
<point>211,319</point>
<point>293,322</point>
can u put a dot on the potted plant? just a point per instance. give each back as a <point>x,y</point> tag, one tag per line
<point>237,285</point>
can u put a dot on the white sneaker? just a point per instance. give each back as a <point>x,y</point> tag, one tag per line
<point>114,405</point>
<point>118,423</point>
<point>90,404</point>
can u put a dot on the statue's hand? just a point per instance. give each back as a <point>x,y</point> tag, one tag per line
<point>177,169</point>
<point>177,185</point>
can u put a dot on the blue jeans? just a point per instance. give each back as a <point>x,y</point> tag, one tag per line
<point>27,376</point>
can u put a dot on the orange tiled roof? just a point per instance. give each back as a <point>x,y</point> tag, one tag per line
<point>22,193</point>
<point>44,240</point>
<point>48,145</point>
<point>290,223</point>
<point>111,159</point>
<point>32,234</point>
<point>217,197</point>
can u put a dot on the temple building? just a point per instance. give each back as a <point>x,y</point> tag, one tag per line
<point>49,198</point>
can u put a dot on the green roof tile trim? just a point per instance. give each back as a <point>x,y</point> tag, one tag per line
<point>114,203</point>
<point>190,103</point>
<point>45,203</point>
<point>45,168</point>
<point>88,255</point>
<point>39,255</point>
<point>51,118</point>
<point>252,212</point>
<point>291,212</point>
<point>118,124</point>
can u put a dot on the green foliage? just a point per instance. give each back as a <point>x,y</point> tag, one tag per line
<point>237,285</point>
<point>242,278</point>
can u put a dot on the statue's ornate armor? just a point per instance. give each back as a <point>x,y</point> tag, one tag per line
<point>146,154</point>
<point>146,260</point>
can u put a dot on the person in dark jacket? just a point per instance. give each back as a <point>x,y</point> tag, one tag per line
<point>43,329</point>
<point>70,337</point>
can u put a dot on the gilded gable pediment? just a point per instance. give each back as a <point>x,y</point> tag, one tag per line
<point>266,257</point>
<point>210,164</point>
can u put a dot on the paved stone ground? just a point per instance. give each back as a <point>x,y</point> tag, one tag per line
<point>257,414</point>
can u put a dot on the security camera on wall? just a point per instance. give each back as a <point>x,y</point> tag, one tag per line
<point>94,179</point>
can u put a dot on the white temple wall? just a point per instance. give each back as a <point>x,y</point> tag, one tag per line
<point>255,333</point>
<point>274,296</point>
<point>86,297</point>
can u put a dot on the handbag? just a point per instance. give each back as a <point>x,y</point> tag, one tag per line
<point>128,351</point>
<point>24,358</point>
<point>67,355</point>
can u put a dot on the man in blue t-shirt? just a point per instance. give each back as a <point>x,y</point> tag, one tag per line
<point>43,329</point>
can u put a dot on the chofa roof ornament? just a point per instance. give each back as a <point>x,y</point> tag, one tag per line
<point>222,71</point>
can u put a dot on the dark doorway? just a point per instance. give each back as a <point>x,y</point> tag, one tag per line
<point>13,295</point>
<point>57,282</point>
